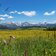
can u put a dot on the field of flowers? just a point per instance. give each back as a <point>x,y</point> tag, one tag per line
<point>27,43</point>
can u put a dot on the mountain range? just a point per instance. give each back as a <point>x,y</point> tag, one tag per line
<point>12,25</point>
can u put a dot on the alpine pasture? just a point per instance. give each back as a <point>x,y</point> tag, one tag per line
<point>27,43</point>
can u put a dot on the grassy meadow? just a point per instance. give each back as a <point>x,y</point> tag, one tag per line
<point>27,43</point>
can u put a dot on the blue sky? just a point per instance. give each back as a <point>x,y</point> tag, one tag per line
<point>28,11</point>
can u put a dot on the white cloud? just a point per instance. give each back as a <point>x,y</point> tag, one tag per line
<point>51,13</point>
<point>13,12</point>
<point>6,15</point>
<point>19,12</point>
<point>10,17</point>
<point>1,19</point>
<point>27,13</point>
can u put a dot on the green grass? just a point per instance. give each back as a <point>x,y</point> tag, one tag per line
<point>28,43</point>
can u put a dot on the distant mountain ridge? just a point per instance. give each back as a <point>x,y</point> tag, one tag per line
<point>8,26</point>
<point>12,25</point>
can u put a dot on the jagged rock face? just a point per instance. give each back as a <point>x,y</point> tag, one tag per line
<point>12,25</point>
<point>3,27</point>
<point>8,26</point>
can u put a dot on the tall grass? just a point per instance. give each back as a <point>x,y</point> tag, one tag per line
<point>28,43</point>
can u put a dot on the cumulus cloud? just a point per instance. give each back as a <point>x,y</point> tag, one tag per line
<point>1,19</point>
<point>13,12</point>
<point>51,13</point>
<point>10,17</point>
<point>6,15</point>
<point>31,13</point>
<point>27,13</point>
